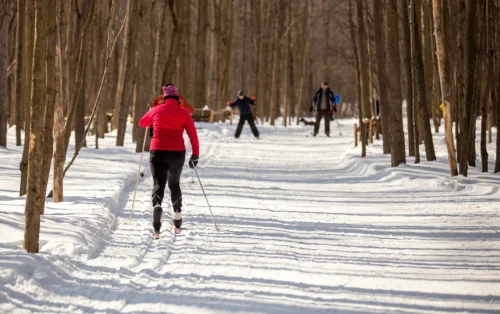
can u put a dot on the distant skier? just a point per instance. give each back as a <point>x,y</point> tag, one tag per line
<point>167,151</point>
<point>324,103</point>
<point>243,103</point>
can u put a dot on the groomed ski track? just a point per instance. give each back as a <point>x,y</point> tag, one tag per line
<point>307,227</point>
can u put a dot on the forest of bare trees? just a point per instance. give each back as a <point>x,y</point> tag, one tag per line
<point>444,67</point>
<point>76,65</point>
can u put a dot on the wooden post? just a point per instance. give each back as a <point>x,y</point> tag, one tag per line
<point>211,116</point>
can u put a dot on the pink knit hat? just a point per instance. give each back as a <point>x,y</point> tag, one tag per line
<point>170,90</point>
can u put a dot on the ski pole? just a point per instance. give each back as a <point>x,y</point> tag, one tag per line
<point>138,173</point>
<point>203,190</point>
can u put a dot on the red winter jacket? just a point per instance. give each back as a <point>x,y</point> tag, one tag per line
<point>169,122</point>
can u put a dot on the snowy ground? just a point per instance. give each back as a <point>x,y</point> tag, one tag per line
<point>307,227</point>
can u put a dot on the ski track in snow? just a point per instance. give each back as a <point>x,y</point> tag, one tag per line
<point>307,227</point>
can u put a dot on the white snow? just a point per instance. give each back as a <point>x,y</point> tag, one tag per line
<point>307,227</point>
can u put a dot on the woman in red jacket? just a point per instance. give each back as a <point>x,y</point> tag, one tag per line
<point>167,151</point>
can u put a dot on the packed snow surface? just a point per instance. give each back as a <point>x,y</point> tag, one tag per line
<point>307,226</point>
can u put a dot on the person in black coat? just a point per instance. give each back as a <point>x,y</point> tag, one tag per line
<point>243,103</point>
<point>324,103</point>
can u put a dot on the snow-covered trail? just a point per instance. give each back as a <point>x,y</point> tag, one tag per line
<point>307,227</point>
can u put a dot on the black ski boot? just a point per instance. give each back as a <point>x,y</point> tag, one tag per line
<point>177,218</point>
<point>157,212</point>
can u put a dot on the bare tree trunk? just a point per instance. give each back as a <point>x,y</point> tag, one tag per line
<point>82,56</point>
<point>101,124</point>
<point>421,88</point>
<point>175,45</point>
<point>303,59</point>
<point>35,198</point>
<point>144,66</point>
<point>445,86</point>
<point>225,66</point>
<point>80,112</point>
<point>425,23</point>
<point>184,57</point>
<point>409,83</point>
<point>264,14</point>
<point>354,37</point>
<point>5,11</point>
<point>416,129</point>
<point>488,64</point>
<point>392,76</point>
<point>493,9</point>
<point>59,158</point>
<point>436,97</point>
<point>471,99</point>
<point>200,93</point>
<point>29,42</point>
<point>364,71</point>
<point>462,65</point>
<point>378,16</point>
<point>110,45</point>
<point>21,65</point>
<point>275,66</point>
<point>50,90</point>
<point>156,57</point>
<point>124,93</point>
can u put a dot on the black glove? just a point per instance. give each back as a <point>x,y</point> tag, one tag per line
<point>193,161</point>
<point>151,132</point>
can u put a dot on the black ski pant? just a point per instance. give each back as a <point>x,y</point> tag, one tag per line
<point>249,118</point>
<point>166,166</point>
<point>322,114</point>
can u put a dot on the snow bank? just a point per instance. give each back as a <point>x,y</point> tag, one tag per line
<point>93,189</point>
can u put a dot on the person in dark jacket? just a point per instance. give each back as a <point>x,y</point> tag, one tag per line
<point>243,103</point>
<point>167,151</point>
<point>324,103</point>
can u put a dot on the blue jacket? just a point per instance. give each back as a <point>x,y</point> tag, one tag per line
<point>243,105</point>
